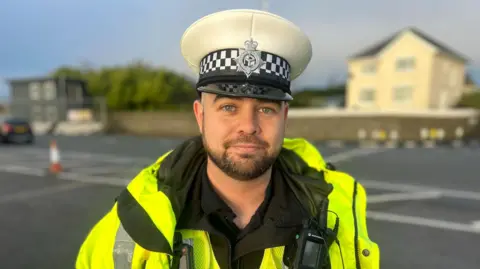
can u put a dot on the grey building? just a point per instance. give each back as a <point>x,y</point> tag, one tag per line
<point>47,98</point>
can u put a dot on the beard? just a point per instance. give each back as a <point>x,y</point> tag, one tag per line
<point>247,166</point>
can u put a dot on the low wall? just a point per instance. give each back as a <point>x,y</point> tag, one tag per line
<point>165,124</point>
<point>319,125</point>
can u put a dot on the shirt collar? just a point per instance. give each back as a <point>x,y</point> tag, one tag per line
<point>213,203</point>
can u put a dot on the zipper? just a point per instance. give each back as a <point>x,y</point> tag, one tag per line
<point>229,252</point>
<point>354,204</point>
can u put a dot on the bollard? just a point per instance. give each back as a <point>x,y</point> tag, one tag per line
<point>433,134</point>
<point>393,143</point>
<point>361,134</point>
<point>459,132</point>
<point>362,137</point>
<point>382,135</point>
<point>375,136</point>
<point>424,133</point>
<point>458,142</point>
<point>441,134</point>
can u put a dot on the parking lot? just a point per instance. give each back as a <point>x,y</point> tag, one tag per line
<point>424,203</point>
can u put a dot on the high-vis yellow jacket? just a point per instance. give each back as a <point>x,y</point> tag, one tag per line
<point>139,230</point>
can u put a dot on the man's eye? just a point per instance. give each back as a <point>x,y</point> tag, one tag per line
<point>228,108</point>
<point>267,110</point>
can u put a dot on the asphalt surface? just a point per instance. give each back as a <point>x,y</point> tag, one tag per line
<point>424,203</point>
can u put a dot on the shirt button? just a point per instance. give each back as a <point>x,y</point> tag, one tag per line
<point>366,252</point>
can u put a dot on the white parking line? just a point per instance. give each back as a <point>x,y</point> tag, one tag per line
<point>403,196</point>
<point>24,170</point>
<point>91,170</point>
<point>432,223</point>
<point>121,182</point>
<point>458,194</point>
<point>354,153</point>
<point>74,164</point>
<point>35,162</point>
<point>43,154</point>
<point>25,195</point>
<point>83,178</point>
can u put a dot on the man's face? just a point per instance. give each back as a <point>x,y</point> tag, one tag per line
<point>242,136</point>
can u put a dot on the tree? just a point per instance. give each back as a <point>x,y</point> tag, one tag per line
<point>471,100</point>
<point>136,86</point>
<point>309,97</point>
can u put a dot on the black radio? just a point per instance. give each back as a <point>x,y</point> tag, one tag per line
<point>182,254</point>
<point>311,248</point>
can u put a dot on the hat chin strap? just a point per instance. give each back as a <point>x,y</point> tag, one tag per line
<point>247,90</point>
<point>238,78</point>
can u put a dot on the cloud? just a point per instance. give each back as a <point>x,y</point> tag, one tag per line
<point>50,32</point>
<point>340,29</point>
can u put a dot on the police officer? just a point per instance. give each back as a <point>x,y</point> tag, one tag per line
<point>240,195</point>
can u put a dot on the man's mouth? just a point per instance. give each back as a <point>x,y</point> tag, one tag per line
<point>247,146</point>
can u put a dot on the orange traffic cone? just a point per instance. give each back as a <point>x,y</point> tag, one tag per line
<point>55,166</point>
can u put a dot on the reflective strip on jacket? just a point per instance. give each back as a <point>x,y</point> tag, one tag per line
<point>109,246</point>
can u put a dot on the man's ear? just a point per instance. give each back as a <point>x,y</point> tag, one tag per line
<point>198,111</point>
<point>285,104</point>
<point>285,115</point>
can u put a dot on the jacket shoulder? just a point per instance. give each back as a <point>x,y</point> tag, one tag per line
<point>96,249</point>
<point>108,246</point>
<point>307,151</point>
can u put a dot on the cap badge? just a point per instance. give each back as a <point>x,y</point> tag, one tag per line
<point>249,59</point>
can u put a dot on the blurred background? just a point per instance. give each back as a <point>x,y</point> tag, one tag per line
<point>392,96</point>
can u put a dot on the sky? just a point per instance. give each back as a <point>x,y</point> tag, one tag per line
<point>37,36</point>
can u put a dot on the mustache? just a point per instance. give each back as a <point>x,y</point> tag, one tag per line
<point>246,139</point>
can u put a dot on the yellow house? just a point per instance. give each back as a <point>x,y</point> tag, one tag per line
<point>408,70</point>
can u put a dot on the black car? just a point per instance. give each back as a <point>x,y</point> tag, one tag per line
<point>15,130</point>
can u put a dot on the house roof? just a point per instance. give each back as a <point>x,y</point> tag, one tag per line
<point>379,46</point>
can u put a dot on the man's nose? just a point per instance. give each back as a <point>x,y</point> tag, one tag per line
<point>248,122</point>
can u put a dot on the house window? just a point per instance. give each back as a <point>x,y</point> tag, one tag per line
<point>405,64</point>
<point>49,90</point>
<point>36,113</point>
<point>370,68</point>
<point>74,93</point>
<point>367,95</point>
<point>402,94</point>
<point>34,90</point>
<point>52,113</point>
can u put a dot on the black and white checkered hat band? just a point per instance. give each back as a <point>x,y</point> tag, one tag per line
<point>222,62</point>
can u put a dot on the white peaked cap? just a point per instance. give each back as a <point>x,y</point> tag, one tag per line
<point>230,29</point>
